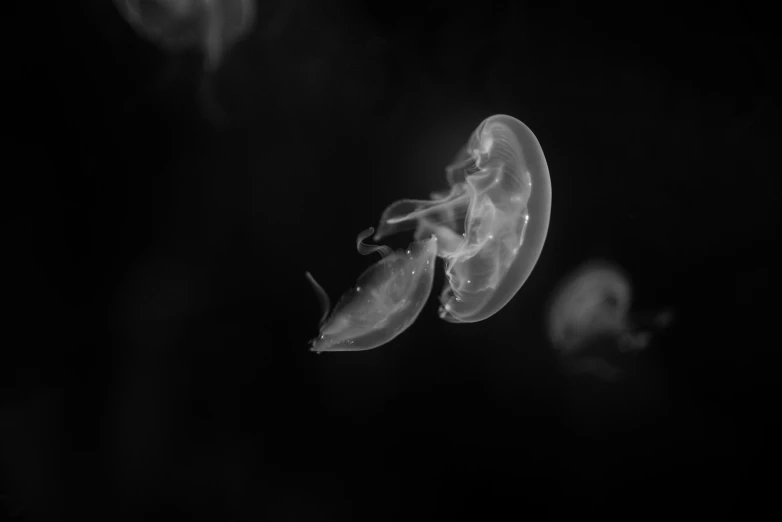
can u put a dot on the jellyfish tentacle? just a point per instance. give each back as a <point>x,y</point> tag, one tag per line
<point>365,249</point>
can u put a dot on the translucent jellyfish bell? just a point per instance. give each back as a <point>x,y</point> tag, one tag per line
<point>593,305</point>
<point>491,224</point>
<point>593,301</point>
<point>386,300</point>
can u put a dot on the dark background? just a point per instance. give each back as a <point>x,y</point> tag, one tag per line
<point>156,362</point>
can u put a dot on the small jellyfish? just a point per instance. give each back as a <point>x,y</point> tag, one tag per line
<point>212,26</point>
<point>590,310</point>
<point>491,223</point>
<point>386,300</point>
<point>489,227</point>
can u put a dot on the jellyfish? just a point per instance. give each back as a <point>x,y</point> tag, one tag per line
<point>488,228</point>
<point>212,26</point>
<point>589,311</point>
<point>385,301</point>
<point>491,223</point>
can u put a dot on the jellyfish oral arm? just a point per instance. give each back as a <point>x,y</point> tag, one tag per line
<point>323,298</point>
<point>365,249</point>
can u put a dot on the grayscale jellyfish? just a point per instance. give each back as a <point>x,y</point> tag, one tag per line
<point>212,26</point>
<point>491,223</point>
<point>489,228</point>
<point>386,300</point>
<point>591,309</point>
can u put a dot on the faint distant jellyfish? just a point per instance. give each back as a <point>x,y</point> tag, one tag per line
<point>491,223</point>
<point>386,300</point>
<point>212,26</point>
<point>489,228</point>
<point>590,308</point>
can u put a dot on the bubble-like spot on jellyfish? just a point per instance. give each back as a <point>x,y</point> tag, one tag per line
<point>489,227</point>
<point>589,311</point>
